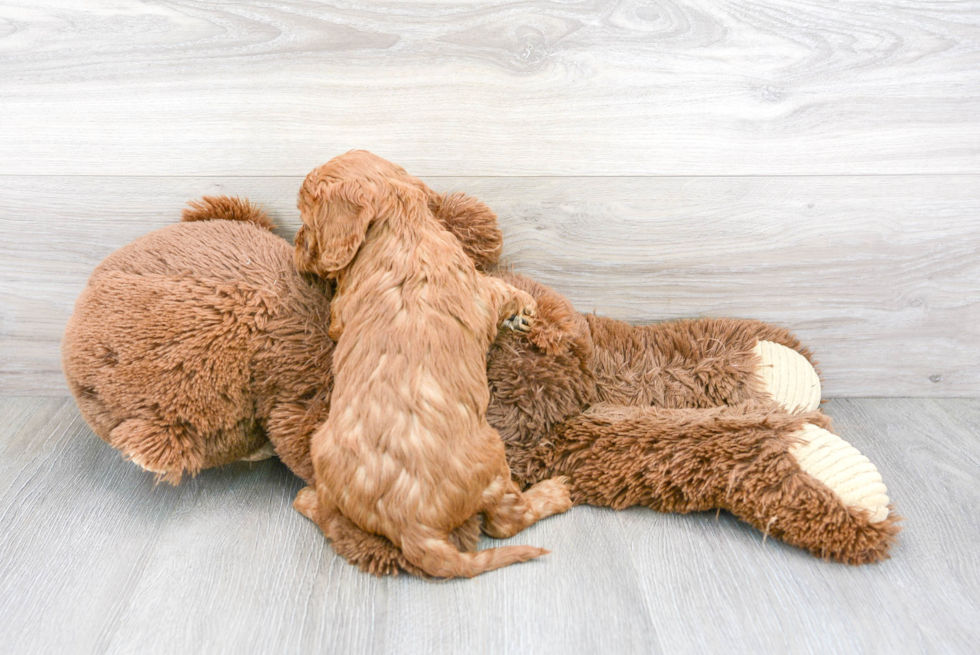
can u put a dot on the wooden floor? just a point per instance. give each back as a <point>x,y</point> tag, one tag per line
<point>95,558</point>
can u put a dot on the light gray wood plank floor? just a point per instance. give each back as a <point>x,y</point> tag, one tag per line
<point>95,558</point>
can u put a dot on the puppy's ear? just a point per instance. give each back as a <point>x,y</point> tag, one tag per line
<point>473,223</point>
<point>335,220</point>
<point>306,253</point>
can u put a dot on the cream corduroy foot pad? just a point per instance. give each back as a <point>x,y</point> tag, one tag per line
<point>141,462</point>
<point>840,466</point>
<point>265,452</point>
<point>788,377</point>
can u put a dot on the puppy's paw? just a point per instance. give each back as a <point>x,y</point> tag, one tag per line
<point>524,312</point>
<point>305,503</point>
<point>519,323</point>
<point>551,496</point>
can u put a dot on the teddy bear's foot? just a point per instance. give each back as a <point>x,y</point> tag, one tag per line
<point>788,378</point>
<point>265,452</point>
<point>845,471</point>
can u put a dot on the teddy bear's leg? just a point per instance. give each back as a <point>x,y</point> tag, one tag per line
<point>789,379</point>
<point>735,458</point>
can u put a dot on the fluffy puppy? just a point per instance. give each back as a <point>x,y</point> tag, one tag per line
<point>407,451</point>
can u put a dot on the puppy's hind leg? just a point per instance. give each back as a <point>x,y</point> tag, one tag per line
<point>436,556</point>
<point>305,503</point>
<point>512,510</point>
<point>371,553</point>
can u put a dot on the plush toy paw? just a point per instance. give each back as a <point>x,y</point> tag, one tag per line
<point>265,452</point>
<point>841,467</point>
<point>788,377</point>
<point>157,447</point>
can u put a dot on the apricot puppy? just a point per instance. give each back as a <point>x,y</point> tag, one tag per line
<point>406,451</point>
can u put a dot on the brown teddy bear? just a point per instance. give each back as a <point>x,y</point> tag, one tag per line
<point>201,343</point>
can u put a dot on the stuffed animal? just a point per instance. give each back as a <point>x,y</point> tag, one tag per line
<point>201,343</point>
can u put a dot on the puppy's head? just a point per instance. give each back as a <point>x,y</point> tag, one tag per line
<point>340,200</point>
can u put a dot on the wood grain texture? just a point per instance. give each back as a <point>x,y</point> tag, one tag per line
<point>924,600</point>
<point>879,275</point>
<point>95,558</point>
<point>685,87</point>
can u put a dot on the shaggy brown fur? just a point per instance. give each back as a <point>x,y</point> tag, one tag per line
<point>693,460</point>
<point>407,453</point>
<point>125,364</point>
<point>229,209</point>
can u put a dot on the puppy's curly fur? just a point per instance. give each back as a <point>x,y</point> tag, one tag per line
<point>407,452</point>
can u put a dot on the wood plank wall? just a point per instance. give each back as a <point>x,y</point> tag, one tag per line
<point>808,163</point>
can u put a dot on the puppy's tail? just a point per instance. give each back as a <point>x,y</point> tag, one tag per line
<point>440,559</point>
<point>226,208</point>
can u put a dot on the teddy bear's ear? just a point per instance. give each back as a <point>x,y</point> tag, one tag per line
<point>473,223</point>
<point>335,217</point>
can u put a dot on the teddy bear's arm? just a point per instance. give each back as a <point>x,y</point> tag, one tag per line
<point>735,458</point>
